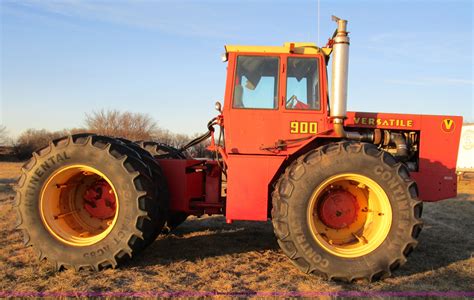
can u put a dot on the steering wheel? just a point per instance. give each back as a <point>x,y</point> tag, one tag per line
<point>291,102</point>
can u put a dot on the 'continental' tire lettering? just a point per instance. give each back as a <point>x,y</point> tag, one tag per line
<point>385,175</point>
<point>308,250</point>
<point>394,185</point>
<point>42,169</point>
<point>98,252</point>
<point>378,170</point>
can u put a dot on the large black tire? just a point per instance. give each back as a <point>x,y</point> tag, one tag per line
<point>71,160</point>
<point>174,219</point>
<point>293,221</point>
<point>163,151</point>
<point>160,184</point>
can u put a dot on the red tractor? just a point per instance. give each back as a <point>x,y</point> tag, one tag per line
<point>344,190</point>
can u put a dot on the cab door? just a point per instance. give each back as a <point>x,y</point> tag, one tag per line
<point>251,110</point>
<point>305,99</point>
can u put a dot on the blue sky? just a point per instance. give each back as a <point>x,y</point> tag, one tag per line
<point>62,59</point>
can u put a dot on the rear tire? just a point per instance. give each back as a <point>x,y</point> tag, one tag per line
<point>160,185</point>
<point>174,220</point>
<point>346,211</point>
<point>161,151</point>
<point>69,231</point>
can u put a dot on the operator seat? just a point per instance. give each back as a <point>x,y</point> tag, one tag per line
<point>238,95</point>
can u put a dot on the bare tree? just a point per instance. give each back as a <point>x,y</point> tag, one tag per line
<point>132,126</point>
<point>34,139</point>
<point>137,126</point>
<point>179,140</point>
<point>163,136</point>
<point>201,150</point>
<point>3,135</point>
<point>75,131</point>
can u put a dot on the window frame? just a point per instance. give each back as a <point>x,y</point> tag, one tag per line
<point>319,92</point>
<point>277,80</point>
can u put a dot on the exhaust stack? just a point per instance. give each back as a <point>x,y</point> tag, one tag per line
<point>340,68</point>
<point>340,65</point>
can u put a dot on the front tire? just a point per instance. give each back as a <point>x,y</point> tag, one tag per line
<point>347,211</point>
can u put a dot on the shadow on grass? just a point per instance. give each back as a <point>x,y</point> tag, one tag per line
<point>446,239</point>
<point>198,239</point>
<point>464,196</point>
<point>6,187</point>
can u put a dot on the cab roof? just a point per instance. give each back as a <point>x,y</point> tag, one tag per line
<point>290,47</point>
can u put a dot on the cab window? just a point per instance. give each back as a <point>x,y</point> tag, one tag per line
<point>302,84</point>
<point>256,82</point>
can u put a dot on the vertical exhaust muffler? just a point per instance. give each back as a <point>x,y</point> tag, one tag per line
<point>340,68</point>
<point>339,79</point>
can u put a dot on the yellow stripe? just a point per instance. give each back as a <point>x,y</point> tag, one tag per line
<point>299,48</point>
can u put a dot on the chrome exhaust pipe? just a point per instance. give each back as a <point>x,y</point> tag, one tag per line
<point>340,66</point>
<point>340,70</point>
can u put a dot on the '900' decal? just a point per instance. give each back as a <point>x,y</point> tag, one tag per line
<point>303,127</point>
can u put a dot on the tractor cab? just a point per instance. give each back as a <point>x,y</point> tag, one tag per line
<point>274,94</point>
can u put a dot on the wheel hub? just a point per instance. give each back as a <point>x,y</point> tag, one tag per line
<point>338,209</point>
<point>99,200</point>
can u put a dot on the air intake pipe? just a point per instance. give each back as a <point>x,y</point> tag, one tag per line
<point>340,67</point>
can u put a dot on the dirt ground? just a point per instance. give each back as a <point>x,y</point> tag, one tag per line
<point>208,257</point>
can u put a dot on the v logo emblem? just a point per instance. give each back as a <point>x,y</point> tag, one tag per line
<point>447,125</point>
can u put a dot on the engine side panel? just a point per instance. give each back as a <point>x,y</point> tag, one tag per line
<point>438,149</point>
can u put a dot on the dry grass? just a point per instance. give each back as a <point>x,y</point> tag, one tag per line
<point>10,170</point>
<point>208,255</point>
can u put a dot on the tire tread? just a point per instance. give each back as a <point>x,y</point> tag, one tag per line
<point>284,189</point>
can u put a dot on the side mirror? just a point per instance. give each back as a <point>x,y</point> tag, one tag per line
<point>218,106</point>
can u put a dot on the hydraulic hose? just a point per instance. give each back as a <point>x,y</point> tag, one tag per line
<point>201,138</point>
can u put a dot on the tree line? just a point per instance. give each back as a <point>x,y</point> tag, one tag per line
<point>114,123</point>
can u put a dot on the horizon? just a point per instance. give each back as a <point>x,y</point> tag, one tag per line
<point>63,59</point>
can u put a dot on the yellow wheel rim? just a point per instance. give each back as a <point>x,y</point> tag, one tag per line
<point>64,210</point>
<point>349,215</point>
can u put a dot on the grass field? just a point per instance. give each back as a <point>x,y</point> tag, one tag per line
<point>208,255</point>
